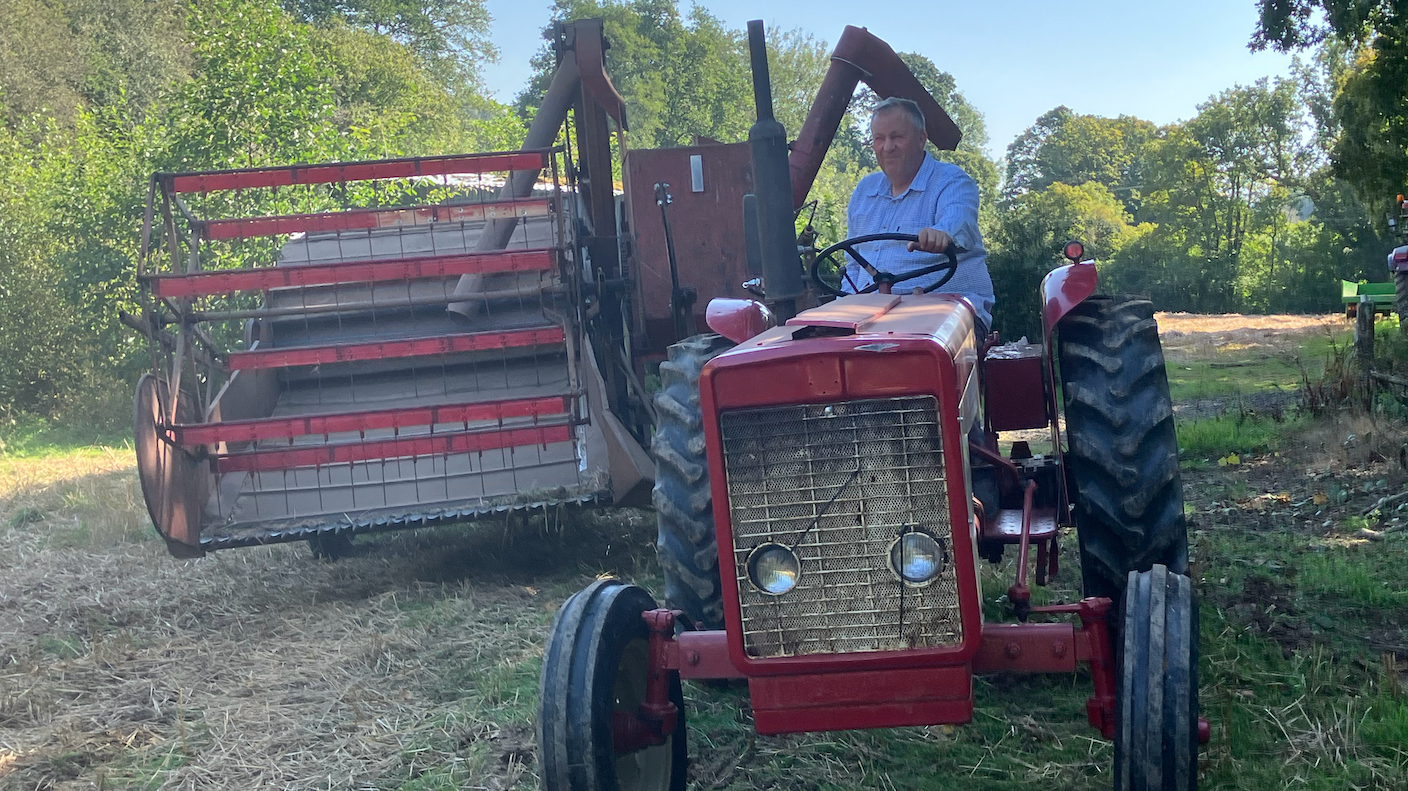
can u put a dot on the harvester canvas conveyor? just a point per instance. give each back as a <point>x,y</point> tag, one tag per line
<point>391,369</point>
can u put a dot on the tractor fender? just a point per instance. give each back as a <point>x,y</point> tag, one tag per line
<point>738,319</point>
<point>1063,288</point>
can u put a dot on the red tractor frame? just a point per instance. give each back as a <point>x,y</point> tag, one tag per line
<point>827,481</point>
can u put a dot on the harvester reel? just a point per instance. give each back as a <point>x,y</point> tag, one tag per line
<point>1156,741</point>
<point>949,266</point>
<point>594,669</point>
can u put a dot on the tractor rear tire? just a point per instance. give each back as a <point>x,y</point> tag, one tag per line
<point>1156,724</point>
<point>1123,458</point>
<point>596,663</point>
<point>1400,293</point>
<point>686,544</point>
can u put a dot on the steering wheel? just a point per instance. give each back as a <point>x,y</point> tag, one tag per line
<point>881,278</point>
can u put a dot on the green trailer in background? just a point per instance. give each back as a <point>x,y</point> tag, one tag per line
<point>1382,295</point>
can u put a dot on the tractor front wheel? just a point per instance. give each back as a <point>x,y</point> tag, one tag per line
<point>1156,735</point>
<point>1122,465</point>
<point>686,543</point>
<point>595,669</point>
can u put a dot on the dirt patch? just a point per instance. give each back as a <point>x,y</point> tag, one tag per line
<point>1190,335</point>
<point>1267,607</point>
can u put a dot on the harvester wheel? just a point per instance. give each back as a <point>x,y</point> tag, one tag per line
<point>595,666</point>
<point>1156,735</point>
<point>685,543</point>
<point>1123,459</point>
<point>1400,293</point>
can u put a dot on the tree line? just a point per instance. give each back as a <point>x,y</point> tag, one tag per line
<point>1258,203</point>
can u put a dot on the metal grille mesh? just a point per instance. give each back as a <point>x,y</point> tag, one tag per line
<point>783,465</point>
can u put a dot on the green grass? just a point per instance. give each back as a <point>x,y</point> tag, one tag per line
<point>1199,380</point>
<point>23,436</point>
<point>1216,437</point>
<point>1293,676</point>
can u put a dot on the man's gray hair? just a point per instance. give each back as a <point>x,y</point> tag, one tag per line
<point>908,106</point>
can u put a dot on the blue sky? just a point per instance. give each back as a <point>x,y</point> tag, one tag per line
<point>1013,59</point>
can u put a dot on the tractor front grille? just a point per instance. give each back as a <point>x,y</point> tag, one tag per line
<point>783,465</point>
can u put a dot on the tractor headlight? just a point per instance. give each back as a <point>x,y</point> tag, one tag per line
<point>917,558</point>
<point>774,569</point>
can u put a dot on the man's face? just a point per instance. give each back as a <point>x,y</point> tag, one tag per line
<point>899,147</point>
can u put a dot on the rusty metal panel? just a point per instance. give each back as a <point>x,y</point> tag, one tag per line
<point>707,227</point>
<point>1016,387</point>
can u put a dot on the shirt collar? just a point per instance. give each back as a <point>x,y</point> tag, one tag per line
<point>921,177</point>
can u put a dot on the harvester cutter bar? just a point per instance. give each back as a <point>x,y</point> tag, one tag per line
<point>308,425</point>
<point>211,283</point>
<point>410,347</point>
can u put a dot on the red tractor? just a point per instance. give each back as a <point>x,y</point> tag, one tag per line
<point>827,481</point>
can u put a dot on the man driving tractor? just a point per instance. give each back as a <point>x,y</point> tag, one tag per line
<point>917,194</point>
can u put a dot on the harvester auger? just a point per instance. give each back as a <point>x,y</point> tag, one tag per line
<point>828,475</point>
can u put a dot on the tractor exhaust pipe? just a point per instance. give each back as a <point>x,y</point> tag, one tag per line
<point>772,183</point>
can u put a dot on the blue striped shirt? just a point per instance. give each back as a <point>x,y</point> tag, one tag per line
<point>942,196</point>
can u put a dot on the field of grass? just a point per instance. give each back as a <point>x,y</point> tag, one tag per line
<point>413,664</point>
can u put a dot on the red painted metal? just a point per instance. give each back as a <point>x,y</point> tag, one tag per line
<point>382,350</point>
<point>853,313</point>
<point>931,695</point>
<point>656,717</point>
<point>202,284</point>
<point>1007,526</point>
<point>657,707</point>
<point>1061,290</point>
<point>305,425</point>
<point>366,219</point>
<point>1027,648</point>
<point>1095,646</point>
<point>739,319</point>
<point>1019,594</point>
<point>1015,388</point>
<point>707,227</point>
<point>923,345</point>
<point>702,655</point>
<point>1065,287</point>
<point>399,447</point>
<point>285,176</point>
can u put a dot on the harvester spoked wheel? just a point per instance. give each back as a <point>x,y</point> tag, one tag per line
<point>1156,724</point>
<point>1400,293</point>
<point>1123,460</point>
<point>685,543</point>
<point>594,674</point>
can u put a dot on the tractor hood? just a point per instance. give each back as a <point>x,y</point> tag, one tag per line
<point>864,344</point>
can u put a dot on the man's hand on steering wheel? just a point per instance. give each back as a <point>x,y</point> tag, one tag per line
<point>931,240</point>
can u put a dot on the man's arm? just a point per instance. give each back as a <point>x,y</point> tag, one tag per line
<point>955,217</point>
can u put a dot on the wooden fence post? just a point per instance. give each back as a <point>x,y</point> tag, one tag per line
<point>1364,338</point>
